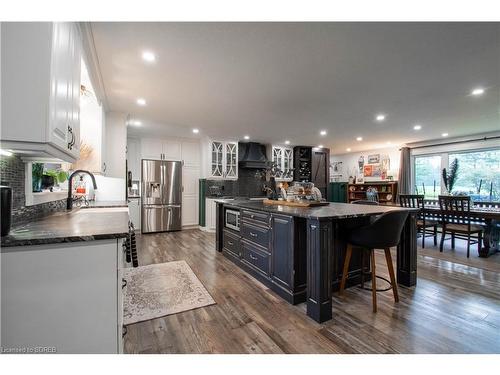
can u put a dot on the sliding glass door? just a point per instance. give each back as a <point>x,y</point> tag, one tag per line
<point>427,180</point>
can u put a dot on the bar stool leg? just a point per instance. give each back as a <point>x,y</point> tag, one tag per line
<point>347,260</point>
<point>394,284</point>
<point>374,281</point>
<point>423,236</point>
<point>362,268</point>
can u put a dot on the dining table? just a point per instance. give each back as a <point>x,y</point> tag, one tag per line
<point>486,214</point>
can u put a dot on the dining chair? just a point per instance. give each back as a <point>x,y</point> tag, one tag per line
<point>423,221</point>
<point>456,220</point>
<point>383,233</point>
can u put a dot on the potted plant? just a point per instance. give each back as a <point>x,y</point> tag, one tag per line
<point>450,177</point>
<point>36,176</point>
<point>53,177</point>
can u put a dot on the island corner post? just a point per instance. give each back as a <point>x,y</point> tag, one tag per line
<point>321,238</point>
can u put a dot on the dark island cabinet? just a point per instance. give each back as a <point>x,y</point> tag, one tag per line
<point>282,250</point>
<point>288,257</point>
<point>271,248</point>
<point>232,244</point>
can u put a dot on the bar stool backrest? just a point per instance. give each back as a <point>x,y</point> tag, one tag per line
<point>383,233</point>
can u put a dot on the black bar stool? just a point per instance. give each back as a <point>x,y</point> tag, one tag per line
<point>383,233</point>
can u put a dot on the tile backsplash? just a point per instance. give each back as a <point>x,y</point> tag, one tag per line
<point>247,185</point>
<point>12,173</point>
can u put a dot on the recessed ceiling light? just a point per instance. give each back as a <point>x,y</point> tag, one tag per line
<point>389,143</point>
<point>148,56</point>
<point>287,142</point>
<point>359,139</point>
<point>380,117</point>
<point>444,135</point>
<point>477,91</point>
<point>417,127</point>
<point>196,131</point>
<point>136,123</point>
<point>323,132</point>
<point>246,137</point>
<point>348,149</point>
<point>141,101</point>
<point>320,146</point>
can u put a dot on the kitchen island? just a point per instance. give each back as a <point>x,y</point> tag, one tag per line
<point>299,252</point>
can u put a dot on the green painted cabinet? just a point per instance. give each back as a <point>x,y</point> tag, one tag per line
<point>338,192</point>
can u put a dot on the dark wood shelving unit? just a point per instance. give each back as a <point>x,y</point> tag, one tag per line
<point>312,164</point>
<point>387,191</point>
<point>302,163</point>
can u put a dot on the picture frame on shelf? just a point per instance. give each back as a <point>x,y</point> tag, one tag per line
<point>367,170</point>
<point>376,170</point>
<point>374,159</point>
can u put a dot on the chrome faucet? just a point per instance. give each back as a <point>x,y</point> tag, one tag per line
<point>69,201</point>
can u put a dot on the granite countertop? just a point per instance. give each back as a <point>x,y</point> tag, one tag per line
<point>79,224</point>
<point>333,210</point>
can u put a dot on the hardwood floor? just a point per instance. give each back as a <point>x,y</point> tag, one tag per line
<point>455,308</point>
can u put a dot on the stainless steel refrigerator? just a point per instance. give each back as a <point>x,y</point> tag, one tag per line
<point>161,195</point>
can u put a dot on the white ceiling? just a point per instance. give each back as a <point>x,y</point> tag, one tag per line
<point>277,81</point>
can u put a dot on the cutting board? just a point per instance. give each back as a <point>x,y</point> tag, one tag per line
<point>294,204</point>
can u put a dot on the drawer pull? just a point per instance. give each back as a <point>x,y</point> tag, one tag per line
<point>252,216</point>
<point>230,243</point>
<point>253,257</point>
<point>253,234</point>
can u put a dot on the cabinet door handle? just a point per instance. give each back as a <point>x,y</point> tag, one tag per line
<point>72,142</point>
<point>104,167</point>
<point>253,257</point>
<point>252,216</point>
<point>124,331</point>
<point>124,283</point>
<point>230,243</point>
<point>253,234</point>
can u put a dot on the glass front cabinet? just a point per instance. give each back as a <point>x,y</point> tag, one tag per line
<point>282,156</point>
<point>223,160</point>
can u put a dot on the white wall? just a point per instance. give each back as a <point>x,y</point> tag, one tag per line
<point>91,128</point>
<point>115,144</point>
<point>109,188</point>
<point>350,162</point>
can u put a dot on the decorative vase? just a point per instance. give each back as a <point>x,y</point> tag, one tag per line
<point>37,184</point>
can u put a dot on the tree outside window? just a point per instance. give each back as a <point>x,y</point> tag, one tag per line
<point>478,175</point>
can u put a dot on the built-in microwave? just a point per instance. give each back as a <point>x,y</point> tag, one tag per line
<point>232,219</point>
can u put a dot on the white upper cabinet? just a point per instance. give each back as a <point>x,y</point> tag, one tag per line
<point>41,89</point>
<point>134,158</point>
<point>223,160</point>
<point>151,148</point>
<point>171,150</point>
<point>159,149</point>
<point>191,154</point>
<point>282,156</point>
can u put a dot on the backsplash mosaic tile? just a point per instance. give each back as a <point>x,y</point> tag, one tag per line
<point>12,174</point>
